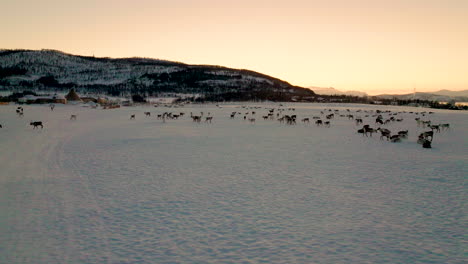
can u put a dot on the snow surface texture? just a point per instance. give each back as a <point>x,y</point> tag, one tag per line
<point>107,189</point>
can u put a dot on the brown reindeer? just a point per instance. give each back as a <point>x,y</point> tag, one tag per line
<point>132,117</point>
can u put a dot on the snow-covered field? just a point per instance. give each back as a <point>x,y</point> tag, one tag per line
<point>107,189</point>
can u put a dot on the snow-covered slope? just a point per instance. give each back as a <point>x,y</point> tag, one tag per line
<point>53,69</point>
<point>107,189</point>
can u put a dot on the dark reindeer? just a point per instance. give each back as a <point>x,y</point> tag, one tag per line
<point>395,138</point>
<point>435,127</point>
<point>384,133</point>
<point>73,117</point>
<point>369,130</point>
<point>427,134</point>
<point>132,117</point>
<point>36,124</point>
<point>403,133</point>
<point>196,119</point>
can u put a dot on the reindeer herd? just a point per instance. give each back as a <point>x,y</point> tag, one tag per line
<point>36,124</point>
<point>381,119</point>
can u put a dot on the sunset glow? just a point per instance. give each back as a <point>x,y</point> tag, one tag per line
<point>375,46</point>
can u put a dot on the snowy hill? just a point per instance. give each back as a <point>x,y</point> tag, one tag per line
<point>333,91</point>
<point>46,69</point>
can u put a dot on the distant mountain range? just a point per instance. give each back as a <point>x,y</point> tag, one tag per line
<point>441,96</point>
<point>50,69</point>
<point>333,91</point>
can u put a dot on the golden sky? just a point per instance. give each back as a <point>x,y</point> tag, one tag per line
<point>374,46</point>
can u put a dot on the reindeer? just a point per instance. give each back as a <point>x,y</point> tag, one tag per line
<point>208,119</point>
<point>305,120</point>
<point>358,121</point>
<point>290,120</point>
<point>73,117</point>
<point>147,114</point>
<point>132,117</point>
<point>427,134</point>
<point>384,133</point>
<point>252,120</point>
<point>327,123</point>
<point>1,126</point>
<point>435,127</point>
<point>319,122</point>
<point>196,119</point>
<point>426,143</point>
<point>369,130</point>
<point>445,126</point>
<point>36,124</point>
<point>403,133</point>
<point>395,138</point>
<point>426,123</point>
